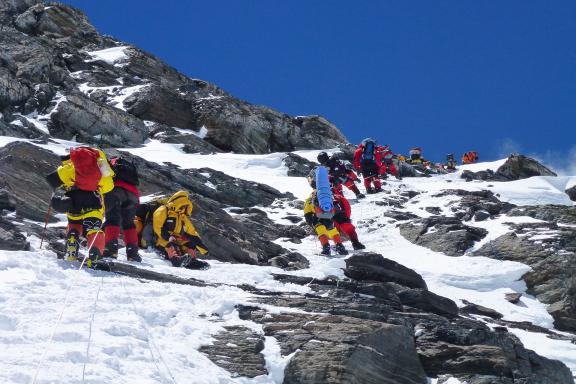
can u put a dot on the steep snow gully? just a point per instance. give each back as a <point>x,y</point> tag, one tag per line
<point>59,324</point>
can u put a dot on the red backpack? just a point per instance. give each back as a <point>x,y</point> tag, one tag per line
<point>87,172</point>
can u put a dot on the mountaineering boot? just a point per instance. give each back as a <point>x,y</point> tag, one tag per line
<point>370,191</point>
<point>93,256</point>
<point>132,253</point>
<point>377,190</point>
<point>72,245</point>
<point>358,245</point>
<point>341,249</point>
<point>326,250</point>
<point>111,249</point>
<point>360,195</point>
<point>176,261</point>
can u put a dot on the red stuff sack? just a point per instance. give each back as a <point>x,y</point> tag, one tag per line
<point>87,173</point>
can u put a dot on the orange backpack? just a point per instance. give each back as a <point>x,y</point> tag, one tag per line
<point>87,173</point>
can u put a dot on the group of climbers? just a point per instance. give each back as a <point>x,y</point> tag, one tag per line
<point>101,201</point>
<point>329,217</point>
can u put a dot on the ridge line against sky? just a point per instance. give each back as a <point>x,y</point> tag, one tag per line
<point>448,76</point>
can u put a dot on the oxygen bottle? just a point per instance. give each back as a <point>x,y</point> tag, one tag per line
<point>324,191</point>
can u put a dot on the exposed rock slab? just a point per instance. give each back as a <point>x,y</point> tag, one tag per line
<point>238,350</point>
<point>442,234</point>
<point>373,267</point>
<point>549,249</point>
<point>89,122</point>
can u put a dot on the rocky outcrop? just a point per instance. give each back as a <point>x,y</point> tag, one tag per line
<point>193,143</point>
<point>56,46</point>
<point>549,248</point>
<point>373,267</point>
<point>297,165</point>
<point>163,105</point>
<point>521,167</point>
<point>10,237</point>
<point>475,204</point>
<point>87,121</point>
<point>244,238</point>
<point>238,350</point>
<point>446,344</point>
<point>515,168</point>
<point>56,21</point>
<point>317,132</point>
<point>23,168</point>
<point>442,234</point>
<point>571,192</point>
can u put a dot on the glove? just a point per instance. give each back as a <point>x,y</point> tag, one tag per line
<point>191,252</point>
<point>171,251</point>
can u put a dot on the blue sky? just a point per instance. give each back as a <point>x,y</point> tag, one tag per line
<point>447,75</point>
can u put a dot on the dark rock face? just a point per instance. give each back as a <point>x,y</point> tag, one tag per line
<point>89,122</point>
<point>163,105</point>
<point>445,343</point>
<point>373,267</point>
<point>571,192</point>
<point>317,132</point>
<point>297,165</point>
<point>56,21</point>
<point>475,309</point>
<point>24,180</point>
<point>290,262</point>
<point>49,47</point>
<point>521,167</point>
<point>428,301</point>
<point>192,142</point>
<point>237,350</point>
<point>10,238</point>
<point>342,349</point>
<point>234,125</point>
<point>479,205</point>
<point>515,168</point>
<point>442,234</point>
<point>374,353</point>
<point>549,249</point>
<point>247,239</point>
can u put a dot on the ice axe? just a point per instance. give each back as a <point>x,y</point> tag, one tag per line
<point>48,213</point>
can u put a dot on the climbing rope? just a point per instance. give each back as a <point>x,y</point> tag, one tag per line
<point>59,320</point>
<point>150,340</point>
<point>90,328</point>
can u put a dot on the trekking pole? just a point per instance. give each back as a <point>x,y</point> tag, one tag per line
<point>48,212</point>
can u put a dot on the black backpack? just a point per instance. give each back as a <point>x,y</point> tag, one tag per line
<point>125,170</point>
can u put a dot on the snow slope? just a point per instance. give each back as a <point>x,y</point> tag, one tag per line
<point>61,324</point>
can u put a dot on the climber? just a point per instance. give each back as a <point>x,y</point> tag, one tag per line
<point>342,221</point>
<point>143,221</point>
<point>339,174</point>
<point>416,156</point>
<point>86,177</point>
<point>450,162</point>
<point>323,225</point>
<point>388,166</point>
<point>367,161</point>
<point>470,157</point>
<point>121,205</point>
<point>175,234</point>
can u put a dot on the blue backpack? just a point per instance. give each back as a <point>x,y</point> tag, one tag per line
<point>368,152</point>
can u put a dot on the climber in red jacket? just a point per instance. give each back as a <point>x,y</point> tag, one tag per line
<point>368,161</point>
